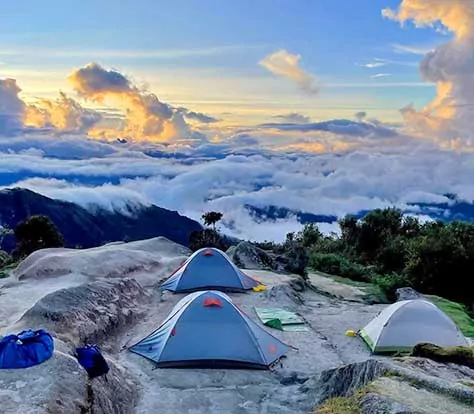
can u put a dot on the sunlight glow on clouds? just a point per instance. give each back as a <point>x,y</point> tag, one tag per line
<point>198,179</point>
<point>285,64</point>
<point>450,66</point>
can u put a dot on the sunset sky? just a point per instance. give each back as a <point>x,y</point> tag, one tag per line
<point>205,55</point>
<point>356,104</point>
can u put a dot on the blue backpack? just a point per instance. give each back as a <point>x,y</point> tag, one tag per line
<point>92,361</point>
<point>26,349</point>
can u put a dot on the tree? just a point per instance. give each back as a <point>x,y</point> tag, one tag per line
<point>4,230</point>
<point>211,218</point>
<point>199,239</point>
<point>310,235</point>
<point>36,232</point>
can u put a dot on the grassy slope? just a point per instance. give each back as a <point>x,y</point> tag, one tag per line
<point>454,310</point>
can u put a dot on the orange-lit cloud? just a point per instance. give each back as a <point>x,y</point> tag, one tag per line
<point>64,114</point>
<point>450,66</point>
<point>146,117</point>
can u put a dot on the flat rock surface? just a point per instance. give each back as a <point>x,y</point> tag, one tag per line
<point>136,386</point>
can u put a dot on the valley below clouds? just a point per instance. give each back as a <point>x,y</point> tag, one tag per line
<point>228,175</point>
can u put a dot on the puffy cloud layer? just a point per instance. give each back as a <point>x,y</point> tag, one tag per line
<point>146,116</point>
<point>227,175</point>
<point>64,114</point>
<point>285,64</point>
<point>450,66</point>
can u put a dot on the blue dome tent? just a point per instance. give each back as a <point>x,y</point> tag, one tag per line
<point>206,330</point>
<point>209,268</point>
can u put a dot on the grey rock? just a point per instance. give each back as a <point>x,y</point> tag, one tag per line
<point>246,255</point>
<point>343,381</point>
<point>90,312</point>
<point>284,294</point>
<point>407,293</point>
<point>373,403</point>
<point>60,386</point>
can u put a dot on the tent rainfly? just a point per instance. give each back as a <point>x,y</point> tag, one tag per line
<point>402,325</point>
<point>206,330</point>
<point>208,268</point>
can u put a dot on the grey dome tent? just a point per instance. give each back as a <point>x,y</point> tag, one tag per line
<point>402,325</point>
<point>206,330</point>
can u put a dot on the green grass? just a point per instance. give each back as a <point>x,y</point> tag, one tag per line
<point>344,405</point>
<point>456,312</point>
<point>339,405</point>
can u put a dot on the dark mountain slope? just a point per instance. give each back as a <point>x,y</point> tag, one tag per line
<point>81,227</point>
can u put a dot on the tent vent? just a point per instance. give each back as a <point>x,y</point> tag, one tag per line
<point>208,253</point>
<point>212,302</point>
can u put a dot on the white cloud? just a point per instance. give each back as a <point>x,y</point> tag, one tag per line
<point>285,64</point>
<point>376,63</point>
<point>11,106</point>
<point>381,75</point>
<point>194,180</point>
<point>413,50</point>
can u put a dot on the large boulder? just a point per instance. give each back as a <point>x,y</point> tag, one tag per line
<point>91,312</point>
<point>407,293</point>
<point>461,355</point>
<point>247,256</point>
<point>60,386</point>
<point>416,385</point>
<point>114,260</point>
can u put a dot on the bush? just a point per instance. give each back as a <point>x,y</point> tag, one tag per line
<point>389,284</point>
<point>298,261</point>
<point>207,238</point>
<point>340,266</point>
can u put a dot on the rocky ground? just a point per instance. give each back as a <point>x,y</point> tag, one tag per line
<point>108,295</point>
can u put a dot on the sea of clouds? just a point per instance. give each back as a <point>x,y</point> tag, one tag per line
<point>176,158</point>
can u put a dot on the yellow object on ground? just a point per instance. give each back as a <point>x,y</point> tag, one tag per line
<point>351,333</point>
<point>259,288</point>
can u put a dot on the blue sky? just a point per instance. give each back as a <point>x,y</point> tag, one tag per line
<point>205,54</point>
<point>256,102</point>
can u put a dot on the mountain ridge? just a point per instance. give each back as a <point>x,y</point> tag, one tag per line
<point>84,228</point>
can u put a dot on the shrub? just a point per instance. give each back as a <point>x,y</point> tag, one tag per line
<point>206,238</point>
<point>340,266</point>
<point>298,261</point>
<point>389,284</point>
